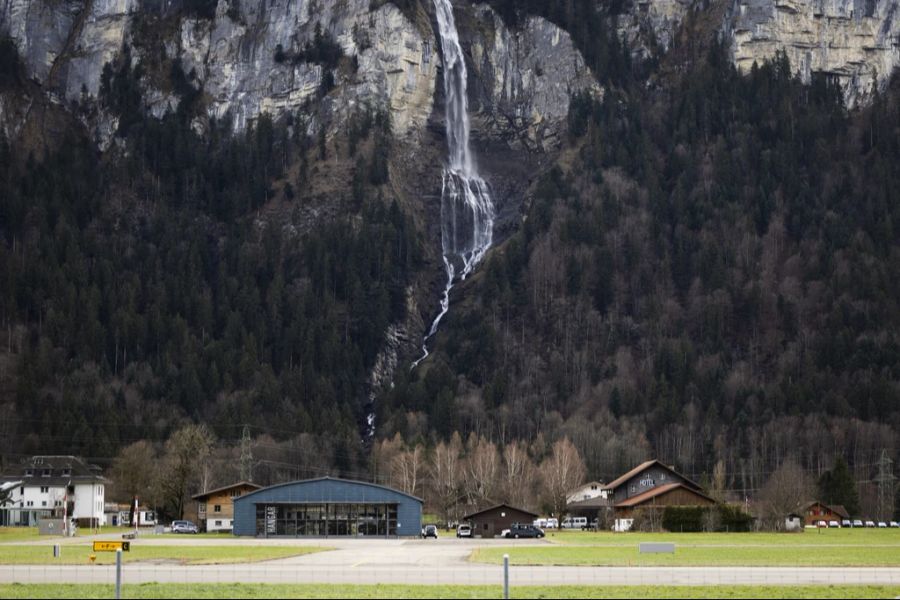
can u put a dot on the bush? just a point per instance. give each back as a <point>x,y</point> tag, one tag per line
<point>692,519</point>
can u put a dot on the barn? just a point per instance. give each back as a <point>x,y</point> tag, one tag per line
<point>491,521</point>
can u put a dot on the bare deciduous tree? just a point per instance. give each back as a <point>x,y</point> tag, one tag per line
<point>135,473</point>
<point>186,452</point>
<point>445,471</point>
<point>517,474</point>
<point>788,488</point>
<point>482,468</point>
<point>561,472</point>
<point>406,468</point>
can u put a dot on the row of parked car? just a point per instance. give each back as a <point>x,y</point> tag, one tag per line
<point>858,523</point>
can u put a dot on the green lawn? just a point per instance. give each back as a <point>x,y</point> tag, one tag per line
<point>18,534</point>
<point>811,537</point>
<point>721,556</point>
<point>190,555</point>
<point>404,591</point>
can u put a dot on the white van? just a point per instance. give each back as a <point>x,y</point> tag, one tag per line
<point>575,523</point>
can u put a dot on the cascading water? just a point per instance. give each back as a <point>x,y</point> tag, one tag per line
<point>467,212</point>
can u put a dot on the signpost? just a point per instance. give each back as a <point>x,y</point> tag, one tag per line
<point>112,546</point>
<point>118,548</point>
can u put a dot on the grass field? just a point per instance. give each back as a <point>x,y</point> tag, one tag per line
<point>810,537</point>
<point>186,555</point>
<point>18,534</point>
<point>830,548</point>
<point>404,591</point>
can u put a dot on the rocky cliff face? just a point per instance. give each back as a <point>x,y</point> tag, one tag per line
<point>855,41</point>
<point>526,77</point>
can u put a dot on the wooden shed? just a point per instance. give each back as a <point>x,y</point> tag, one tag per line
<point>491,521</point>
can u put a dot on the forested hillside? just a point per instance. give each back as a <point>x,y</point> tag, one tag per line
<point>707,271</point>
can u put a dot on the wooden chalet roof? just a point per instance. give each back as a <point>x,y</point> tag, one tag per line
<point>658,491</point>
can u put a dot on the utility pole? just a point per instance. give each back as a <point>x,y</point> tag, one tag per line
<point>246,456</point>
<point>885,482</point>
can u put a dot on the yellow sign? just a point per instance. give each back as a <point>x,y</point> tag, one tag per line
<point>112,546</point>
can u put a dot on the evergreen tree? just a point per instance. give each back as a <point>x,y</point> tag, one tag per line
<point>837,486</point>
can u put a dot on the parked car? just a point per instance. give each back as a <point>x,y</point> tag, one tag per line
<point>821,524</point>
<point>882,525</point>
<point>184,527</point>
<point>523,531</point>
<point>857,523</point>
<point>846,523</point>
<point>894,524</point>
<point>870,523</point>
<point>464,531</point>
<point>833,524</point>
<point>429,531</point>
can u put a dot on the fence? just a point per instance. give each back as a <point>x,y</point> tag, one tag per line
<point>436,562</point>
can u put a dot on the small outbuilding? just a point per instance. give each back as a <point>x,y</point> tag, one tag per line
<point>793,523</point>
<point>491,521</point>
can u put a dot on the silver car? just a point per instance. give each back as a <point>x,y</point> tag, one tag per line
<point>184,527</point>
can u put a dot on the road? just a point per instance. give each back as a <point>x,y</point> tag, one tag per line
<point>443,561</point>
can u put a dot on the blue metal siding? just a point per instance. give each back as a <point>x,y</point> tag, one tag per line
<point>409,509</point>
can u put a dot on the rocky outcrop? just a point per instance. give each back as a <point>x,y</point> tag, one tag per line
<point>525,79</point>
<point>650,25</point>
<point>855,41</point>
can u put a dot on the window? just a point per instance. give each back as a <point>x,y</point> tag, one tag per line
<point>44,489</point>
<point>29,472</point>
<point>203,507</point>
<point>30,503</point>
<point>66,472</point>
<point>217,508</point>
<point>45,473</point>
<point>44,503</point>
<point>218,523</point>
<point>22,491</point>
<point>235,494</point>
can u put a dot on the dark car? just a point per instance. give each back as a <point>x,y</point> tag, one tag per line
<point>429,531</point>
<point>523,531</point>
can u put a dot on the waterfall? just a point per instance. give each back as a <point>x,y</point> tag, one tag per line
<point>467,211</point>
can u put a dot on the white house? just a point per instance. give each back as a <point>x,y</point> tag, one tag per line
<point>54,487</point>
<point>588,491</point>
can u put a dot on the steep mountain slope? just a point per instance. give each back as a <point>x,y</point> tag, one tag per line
<point>230,212</point>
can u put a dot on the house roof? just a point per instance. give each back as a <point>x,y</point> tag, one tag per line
<point>597,502</point>
<point>643,467</point>
<point>61,471</point>
<point>338,479</point>
<point>658,491</point>
<point>837,509</point>
<point>225,488</point>
<point>495,507</point>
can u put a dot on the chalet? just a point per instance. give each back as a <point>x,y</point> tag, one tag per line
<point>649,485</point>
<point>53,487</point>
<point>594,489</point>
<point>819,511</point>
<point>215,508</point>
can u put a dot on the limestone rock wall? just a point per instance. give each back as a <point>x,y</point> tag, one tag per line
<point>855,41</point>
<point>525,78</point>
